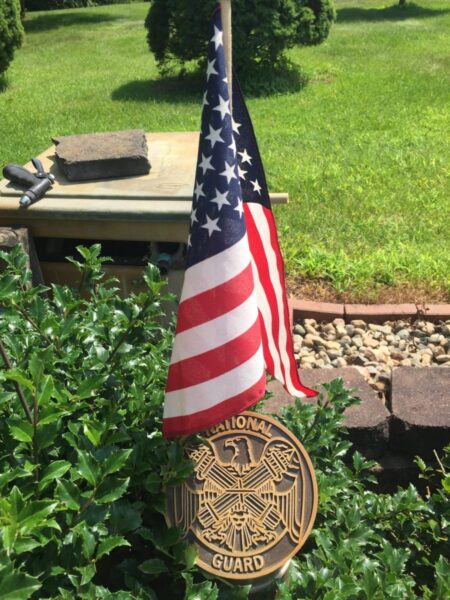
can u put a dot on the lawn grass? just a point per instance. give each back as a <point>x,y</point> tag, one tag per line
<point>363,149</point>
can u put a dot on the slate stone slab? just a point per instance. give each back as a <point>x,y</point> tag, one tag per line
<point>421,409</point>
<point>103,155</point>
<point>367,423</point>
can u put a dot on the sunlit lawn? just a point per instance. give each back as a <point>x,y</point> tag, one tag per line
<point>363,149</point>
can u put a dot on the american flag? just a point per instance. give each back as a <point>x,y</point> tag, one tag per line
<point>233,317</point>
<point>217,367</point>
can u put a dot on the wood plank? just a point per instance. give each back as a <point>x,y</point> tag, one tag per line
<point>105,230</point>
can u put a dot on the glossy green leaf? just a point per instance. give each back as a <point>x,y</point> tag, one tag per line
<point>88,467</point>
<point>46,390</point>
<point>53,471</point>
<point>153,566</point>
<point>107,545</point>
<point>190,556</point>
<point>18,586</point>
<point>89,385</point>
<point>51,414</point>
<point>22,431</point>
<point>34,513</point>
<point>24,544</point>
<point>87,573</point>
<point>20,377</point>
<point>93,431</point>
<point>111,489</point>
<point>115,461</point>
<point>36,368</point>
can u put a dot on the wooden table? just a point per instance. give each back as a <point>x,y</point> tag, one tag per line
<point>154,207</point>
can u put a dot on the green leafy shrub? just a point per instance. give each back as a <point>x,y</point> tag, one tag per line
<point>366,545</point>
<point>11,32</point>
<point>56,4</point>
<point>60,4</point>
<point>262,31</point>
<point>84,468</point>
<point>83,465</point>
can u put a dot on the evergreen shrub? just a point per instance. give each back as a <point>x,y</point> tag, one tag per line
<point>84,468</point>
<point>60,4</point>
<point>11,32</point>
<point>262,30</point>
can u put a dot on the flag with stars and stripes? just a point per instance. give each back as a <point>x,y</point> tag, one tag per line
<point>217,367</point>
<point>268,266</point>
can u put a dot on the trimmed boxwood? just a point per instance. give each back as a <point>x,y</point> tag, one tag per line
<point>11,32</point>
<point>262,30</point>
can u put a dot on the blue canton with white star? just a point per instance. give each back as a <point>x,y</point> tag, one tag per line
<point>217,217</point>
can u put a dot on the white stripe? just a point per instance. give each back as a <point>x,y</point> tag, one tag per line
<point>266,314</point>
<point>205,395</point>
<point>215,332</point>
<point>217,269</point>
<point>257,212</point>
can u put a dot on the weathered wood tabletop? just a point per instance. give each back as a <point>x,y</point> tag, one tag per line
<point>150,207</point>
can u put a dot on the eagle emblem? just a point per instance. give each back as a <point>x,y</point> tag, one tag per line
<point>247,495</point>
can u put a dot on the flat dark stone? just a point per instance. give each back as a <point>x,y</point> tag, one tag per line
<point>367,423</point>
<point>421,409</point>
<point>103,155</point>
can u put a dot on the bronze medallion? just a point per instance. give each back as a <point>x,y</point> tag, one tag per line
<point>252,499</point>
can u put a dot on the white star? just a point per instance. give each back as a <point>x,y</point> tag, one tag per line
<point>214,136</point>
<point>246,157</point>
<point>198,190</point>
<point>220,199</point>
<point>256,186</point>
<point>239,207</point>
<point>206,165</point>
<point>223,107</point>
<point>211,225</point>
<point>194,217</point>
<point>225,80</point>
<point>241,172</point>
<point>211,70</point>
<point>232,146</point>
<point>229,172</point>
<point>205,99</point>
<point>236,126</point>
<point>189,243</point>
<point>217,37</point>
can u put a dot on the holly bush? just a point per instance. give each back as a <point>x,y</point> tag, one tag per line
<point>178,30</point>
<point>11,32</point>
<point>84,468</point>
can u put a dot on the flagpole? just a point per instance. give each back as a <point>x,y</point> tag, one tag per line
<point>225,6</point>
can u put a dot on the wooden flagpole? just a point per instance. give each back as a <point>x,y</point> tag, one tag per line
<point>225,6</point>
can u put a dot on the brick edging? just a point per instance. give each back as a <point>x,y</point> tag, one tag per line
<point>373,313</point>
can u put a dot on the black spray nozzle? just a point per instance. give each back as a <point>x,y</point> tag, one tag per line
<point>35,192</point>
<point>36,184</point>
<point>19,176</point>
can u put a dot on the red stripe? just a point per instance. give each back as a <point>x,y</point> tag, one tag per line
<point>199,421</point>
<point>295,378</point>
<point>257,249</point>
<point>215,302</point>
<point>213,363</point>
<point>257,246</point>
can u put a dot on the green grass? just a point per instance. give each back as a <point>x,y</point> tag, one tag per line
<point>363,149</point>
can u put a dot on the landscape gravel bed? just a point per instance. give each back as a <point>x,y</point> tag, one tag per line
<point>375,349</point>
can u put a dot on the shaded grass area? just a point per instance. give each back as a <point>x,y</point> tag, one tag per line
<point>363,149</point>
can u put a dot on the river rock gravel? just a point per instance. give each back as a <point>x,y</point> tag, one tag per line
<point>374,349</point>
